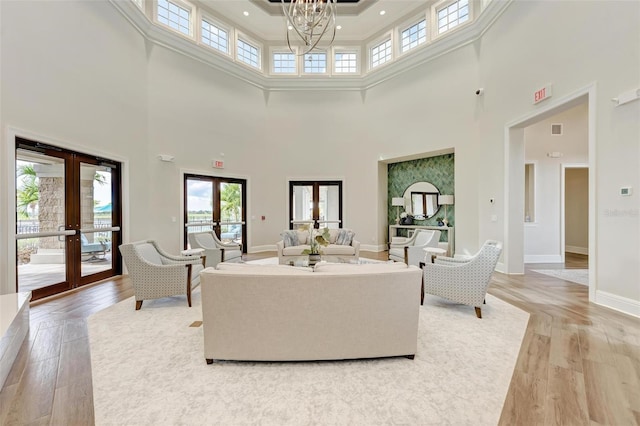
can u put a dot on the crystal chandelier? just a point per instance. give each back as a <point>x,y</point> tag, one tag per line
<point>311,20</point>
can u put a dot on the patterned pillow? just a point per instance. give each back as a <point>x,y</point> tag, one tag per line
<point>290,238</point>
<point>344,238</point>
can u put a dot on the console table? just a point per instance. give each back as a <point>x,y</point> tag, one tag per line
<point>448,230</point>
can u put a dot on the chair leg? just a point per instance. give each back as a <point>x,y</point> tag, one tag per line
<point>189,285</point>
<point>478,312</point>
<point>138,305</point>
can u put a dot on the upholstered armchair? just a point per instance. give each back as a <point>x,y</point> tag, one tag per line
<point>219,251</point>
<point>463,280</point>
<point>155,274</point>
<point>411,251</point>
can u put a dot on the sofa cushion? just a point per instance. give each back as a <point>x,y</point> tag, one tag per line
<point>365,268</point>
<point>344,237</point>
<point>250,269</point>
<point>334,249</point>
<point>294,250</point>
<point>290,238</point>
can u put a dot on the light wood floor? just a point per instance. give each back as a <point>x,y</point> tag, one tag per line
<point>579,364</point>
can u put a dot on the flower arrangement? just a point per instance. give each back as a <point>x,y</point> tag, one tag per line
<point>317,241</point>
<point>406,218</point>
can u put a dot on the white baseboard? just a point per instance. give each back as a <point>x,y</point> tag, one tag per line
<point>260,249</point>
<point>619,303</point>
<point>542,258</point>
<point>577,250</point>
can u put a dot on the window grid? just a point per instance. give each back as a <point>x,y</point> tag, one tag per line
<point>248,54</point>
<point>315,63</point>
<point>214,36</point>
<point>453,15</point>
<point>174,16</point>
<point>381,53</point>
<point>345,62</point>
<point>414,35</point>
<point>284,63</point>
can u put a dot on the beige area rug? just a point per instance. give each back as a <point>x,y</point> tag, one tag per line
<point>578,276</point>
<point>148,368</point>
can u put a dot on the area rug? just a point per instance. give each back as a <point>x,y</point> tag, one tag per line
<point>578,276</point>
<point>148,368</point>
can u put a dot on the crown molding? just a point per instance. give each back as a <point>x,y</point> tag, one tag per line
<point>462,36</point>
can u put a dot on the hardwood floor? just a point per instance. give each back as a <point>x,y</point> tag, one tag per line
<point>579,363</point>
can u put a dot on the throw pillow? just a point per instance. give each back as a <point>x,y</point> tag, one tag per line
<point>344,238</point>
<point>290,238</point>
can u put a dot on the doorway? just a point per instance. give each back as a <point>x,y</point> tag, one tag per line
<point>67,218</point>
<point>575,212</point>
<point>216,204</point>
<point>515,180</point>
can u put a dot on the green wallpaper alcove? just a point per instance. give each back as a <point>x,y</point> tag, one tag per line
<point>437,170</point>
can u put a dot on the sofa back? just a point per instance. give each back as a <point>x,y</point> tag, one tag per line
<point>341,311</point>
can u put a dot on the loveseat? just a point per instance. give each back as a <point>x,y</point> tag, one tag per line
<point>333,311</point>
<point>288,249</point>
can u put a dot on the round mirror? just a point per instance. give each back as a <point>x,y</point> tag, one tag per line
<point>421,200</point>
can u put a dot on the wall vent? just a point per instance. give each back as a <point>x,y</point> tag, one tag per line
<point>556,129</point>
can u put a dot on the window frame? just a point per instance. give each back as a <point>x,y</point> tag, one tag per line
<point>185,5</point>
<point>327,62</point>
<point>346,49</point>
<point>435,34</point>
<point>409,24</point>
<point>386,37</point>
<point>240,36</point>
<point>221,25</point>
<point>283,49</point>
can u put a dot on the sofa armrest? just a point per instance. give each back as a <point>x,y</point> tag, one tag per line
<point>356,245</point>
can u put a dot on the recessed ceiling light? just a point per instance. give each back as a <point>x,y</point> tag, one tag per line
<point>339,27</point>
<point>289,27</point>
<point>382,12</point>
<point>245,13</point>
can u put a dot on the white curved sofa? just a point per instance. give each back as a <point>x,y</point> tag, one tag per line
<point>286,254</point>
<point>334,311</point>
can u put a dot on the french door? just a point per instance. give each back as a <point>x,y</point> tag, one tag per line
<point>67,218</point>
<point>317,203</point>
<point>216,204</point>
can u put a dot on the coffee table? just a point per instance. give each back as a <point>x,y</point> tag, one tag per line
<point>303,260</point>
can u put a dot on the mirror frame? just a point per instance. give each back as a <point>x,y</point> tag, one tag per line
<point>424,188</point>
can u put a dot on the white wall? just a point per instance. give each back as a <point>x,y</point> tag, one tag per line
<point>73,74</point>
<point>576,210</point>
<point>138,103</point>
<point>542,237</point>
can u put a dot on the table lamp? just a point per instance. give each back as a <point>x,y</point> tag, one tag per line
<point>445,200</point>
<point>397,202</point>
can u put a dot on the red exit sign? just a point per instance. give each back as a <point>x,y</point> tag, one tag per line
<point>218,164</point>
<point>542,94</point>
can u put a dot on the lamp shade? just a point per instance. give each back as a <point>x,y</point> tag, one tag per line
<point>445,200</point>
<point>397,201</point>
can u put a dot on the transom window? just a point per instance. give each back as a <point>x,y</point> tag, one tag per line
<point>453,15</point>
<point>214,36</point>
<point>315,63</point>
<point>248,54</point>
<point>284,63</point>
<point>345,62</point>
<point>414,35</point>
<point>381,53</point>
<point>174,16</point>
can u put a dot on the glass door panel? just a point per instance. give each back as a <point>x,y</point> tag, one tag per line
<point>96,219</point>
<point>231,212</point>
<point>302,206</point>
<point>40,221</point>
<point>329,205</point>
<point>199,206</point>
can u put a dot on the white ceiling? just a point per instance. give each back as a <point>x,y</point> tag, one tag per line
<point>359,21</point>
